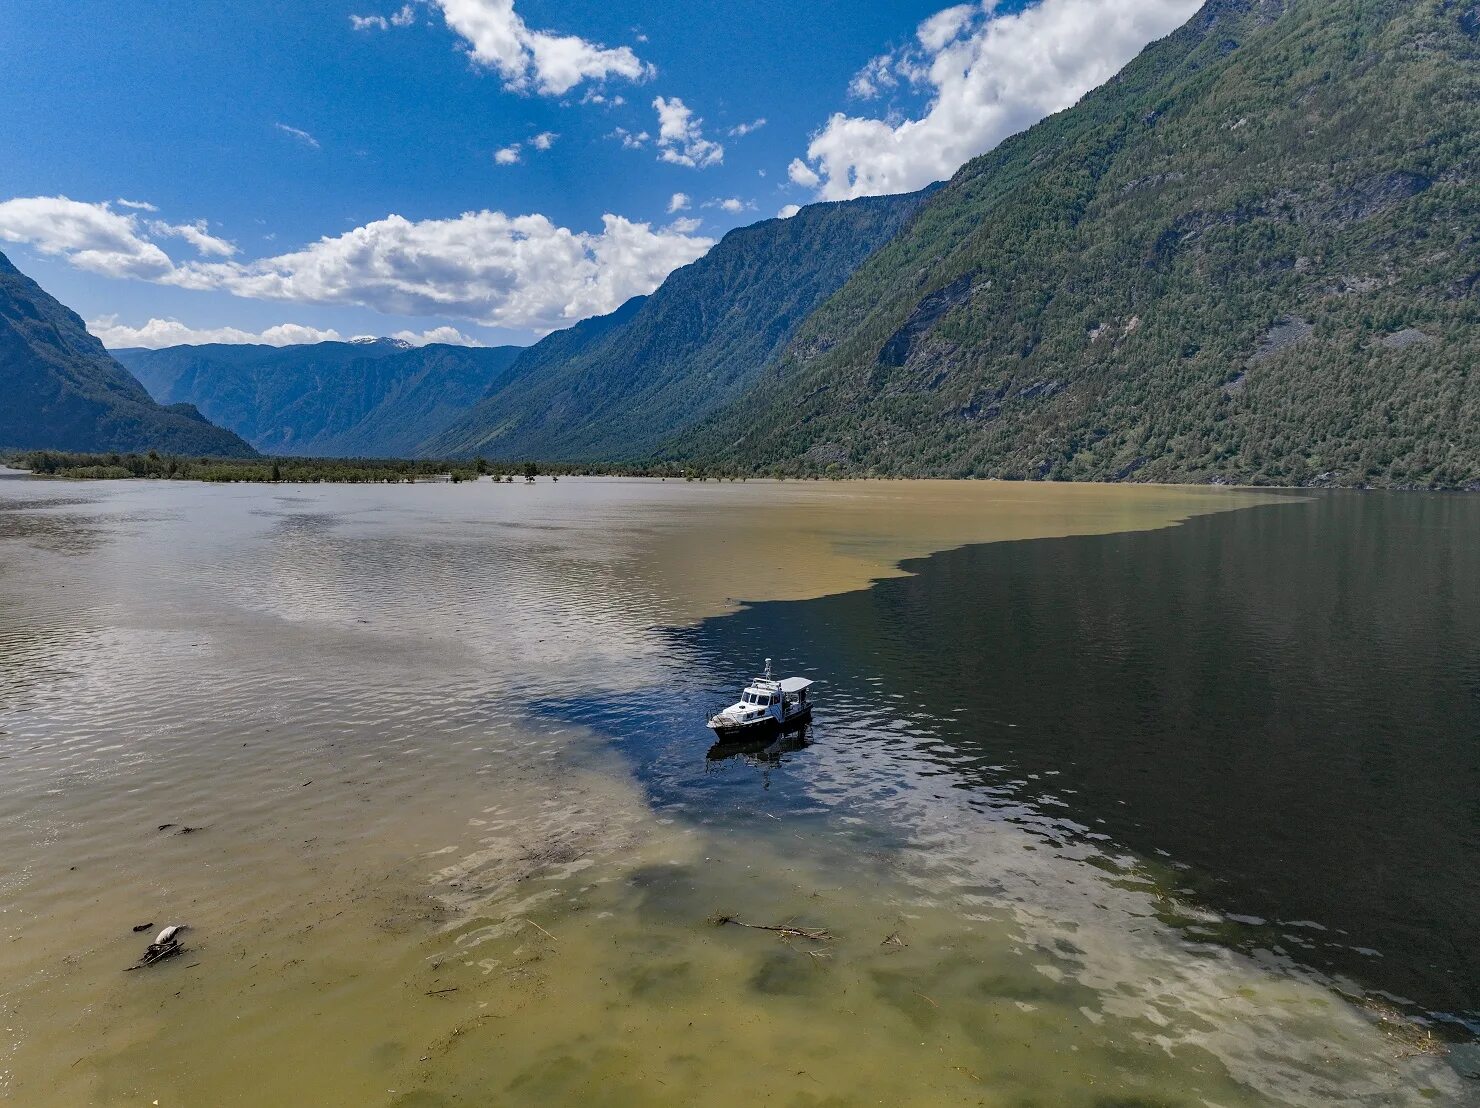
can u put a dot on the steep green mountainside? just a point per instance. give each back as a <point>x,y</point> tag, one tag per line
<point>59,389</point>
<point>616,388</point>
<point>330,399</point>
<point>1252,256</point>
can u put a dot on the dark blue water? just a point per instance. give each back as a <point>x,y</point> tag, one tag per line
<point>1276,709</point>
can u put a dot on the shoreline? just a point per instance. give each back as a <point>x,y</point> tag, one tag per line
<point>9,472</point>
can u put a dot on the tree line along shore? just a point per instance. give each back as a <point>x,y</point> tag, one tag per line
<point>172,467</point>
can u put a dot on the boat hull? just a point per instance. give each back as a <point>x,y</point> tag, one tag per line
<point>727,731</point>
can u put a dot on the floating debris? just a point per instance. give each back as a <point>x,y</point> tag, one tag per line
<point>165,945</point>
<point>816,934</point>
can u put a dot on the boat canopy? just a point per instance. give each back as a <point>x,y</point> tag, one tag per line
<point>794,684</point>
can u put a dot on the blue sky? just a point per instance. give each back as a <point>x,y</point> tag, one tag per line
<point>225,169</point>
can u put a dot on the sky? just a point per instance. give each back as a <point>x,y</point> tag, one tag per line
<point>482,171</point>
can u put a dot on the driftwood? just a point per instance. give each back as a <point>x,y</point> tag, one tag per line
<point>815,934</point>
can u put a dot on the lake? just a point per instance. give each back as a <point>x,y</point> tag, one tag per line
<point>1114,796</point>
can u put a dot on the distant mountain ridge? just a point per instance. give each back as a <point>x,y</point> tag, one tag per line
<point>1253,255</point>
<point>613,388</point>
<point>381,398</point>
<point>60,390</point>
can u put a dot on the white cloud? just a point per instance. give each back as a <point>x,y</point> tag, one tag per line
<point>679,202</point>
<point>802,174</point>
<point>513,153</point>
<point>937,32</point>
<point>403,17</point>
<point>743,129</point>
<point>302,136</point>
<point>449,336</point>
<point>90,236</point>
<point>630,140</point>
<point>788,211</point>
<point>990,76</point>
<point>733,205</point>
<point>686,225</point>
<point>505,271</point>
<point>492,268</point>
<point>137,205</point>
<point>159,333</point>
<point>873,78</point>
<point>681,137</point>
<point>539,61</point>
<point>197,236</point>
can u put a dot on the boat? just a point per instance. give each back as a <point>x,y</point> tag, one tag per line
<point>765,707</point>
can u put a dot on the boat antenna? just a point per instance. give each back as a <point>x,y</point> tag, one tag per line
<point>768,669</point>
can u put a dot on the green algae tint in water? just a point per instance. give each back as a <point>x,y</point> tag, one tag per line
<point>459,840</point>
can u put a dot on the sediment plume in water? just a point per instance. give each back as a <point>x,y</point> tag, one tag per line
<point>411,886</point>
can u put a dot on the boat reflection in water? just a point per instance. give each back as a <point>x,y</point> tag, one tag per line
<point>763,749</point>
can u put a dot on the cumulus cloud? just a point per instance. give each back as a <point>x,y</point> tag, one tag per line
<point>544,140</point>
<point>446,335</point>
<point>196,235</point>
<point>500,270</point>
<point>159,333</point>
<point>686,225</point>
<point>505,271</point>
<point>788,211</point>
<point>732,204</point>
<point>681,136</point>
<point>93,237</point>
<point>302,136</point>
<point>679,202</point>
<point>988,76</point>
<point>535,61</point>
<point>742,129</point>
<point>803,174</point>
<point>509,155</point>
<point>631,140</point>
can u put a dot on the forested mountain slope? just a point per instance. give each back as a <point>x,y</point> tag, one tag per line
<point>1252,256</point>
<point>329,399</point>
<point>60,390</point>
<point>613,388</point>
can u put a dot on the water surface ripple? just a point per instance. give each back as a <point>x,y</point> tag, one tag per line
<point>1153,815</point>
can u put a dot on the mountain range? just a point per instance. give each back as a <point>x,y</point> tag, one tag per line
<point>381,398</point>
<point>63,391</point>
<point>611,388</point>
<point>1251,256</point>
<point>616,388</point>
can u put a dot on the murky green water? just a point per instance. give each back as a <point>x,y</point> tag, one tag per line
<point>459,840</point>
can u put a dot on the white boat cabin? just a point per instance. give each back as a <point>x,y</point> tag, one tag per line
<point>765,702</point>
